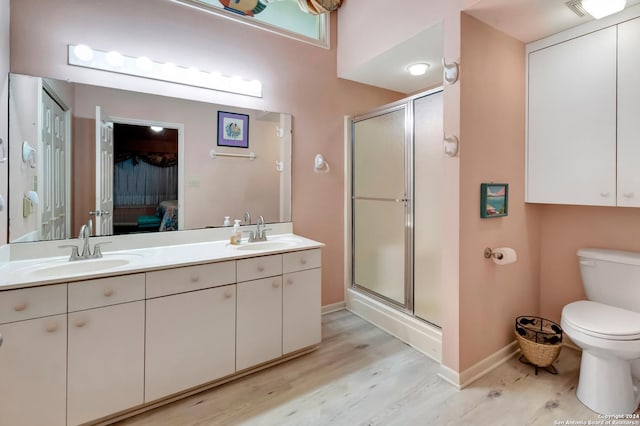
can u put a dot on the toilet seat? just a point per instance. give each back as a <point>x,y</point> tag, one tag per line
<point>602,321</point>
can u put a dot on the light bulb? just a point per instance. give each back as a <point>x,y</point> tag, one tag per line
<point>144,64</point>
<point>169,69</point>
<point>115,59</point>
<point>83,52</point>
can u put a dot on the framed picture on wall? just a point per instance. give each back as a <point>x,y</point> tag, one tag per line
<point>233,129</point>
<point>494,199</point>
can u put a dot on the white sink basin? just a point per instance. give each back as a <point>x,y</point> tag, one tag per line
<point>65,267</point>
<point>277,244</point>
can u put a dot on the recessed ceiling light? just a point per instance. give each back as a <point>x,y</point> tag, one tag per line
<point>601,8</point>
<point>156,128</point>
<point>419,68</point>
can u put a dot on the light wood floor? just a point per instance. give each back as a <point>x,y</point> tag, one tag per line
<point>362,376</point>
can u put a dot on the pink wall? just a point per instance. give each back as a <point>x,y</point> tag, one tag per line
<point>297,78</point>
<point>4,122</point>
<point>564,230</point>
<point>492,133</point>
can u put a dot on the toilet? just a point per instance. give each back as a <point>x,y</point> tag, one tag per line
<point>607,328</point>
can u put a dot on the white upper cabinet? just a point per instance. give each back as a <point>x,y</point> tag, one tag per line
<point>629,113</point>
<point>571,147</point>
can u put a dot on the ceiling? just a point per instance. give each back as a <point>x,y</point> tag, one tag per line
<point>525,20</point>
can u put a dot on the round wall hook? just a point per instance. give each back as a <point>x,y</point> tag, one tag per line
<point>451,71</point>
<point>28,154</point>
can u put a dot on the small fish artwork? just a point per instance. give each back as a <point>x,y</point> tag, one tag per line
<point>244,7</point>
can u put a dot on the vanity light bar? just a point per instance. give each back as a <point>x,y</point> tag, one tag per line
<point>83,56</point>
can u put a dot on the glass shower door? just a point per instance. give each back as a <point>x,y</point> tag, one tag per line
<point>381,205</point>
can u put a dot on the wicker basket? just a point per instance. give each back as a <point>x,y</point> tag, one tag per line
<point>540,339</point>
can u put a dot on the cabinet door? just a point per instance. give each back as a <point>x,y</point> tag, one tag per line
<point>106,361</point>
<point>628,113</point>
<point>301,310</point>
<point>259,327</point>
<point>571,150</point>
<point>190,340</point>
<point>33,372</point>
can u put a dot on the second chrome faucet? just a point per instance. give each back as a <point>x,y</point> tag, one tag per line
<point>260,233</point>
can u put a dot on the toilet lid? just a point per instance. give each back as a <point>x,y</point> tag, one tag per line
<point>603,321</point>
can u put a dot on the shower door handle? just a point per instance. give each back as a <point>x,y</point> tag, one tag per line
<point>395,200</point>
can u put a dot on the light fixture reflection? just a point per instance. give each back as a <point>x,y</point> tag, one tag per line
<point>156,129</point>
<point>84,56</point>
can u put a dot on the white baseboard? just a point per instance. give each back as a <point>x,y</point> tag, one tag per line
<point>416,333</point>
<point>333,307</point>
<point>482,368</point>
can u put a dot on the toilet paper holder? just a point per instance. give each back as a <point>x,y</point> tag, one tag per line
<point>489,253</point>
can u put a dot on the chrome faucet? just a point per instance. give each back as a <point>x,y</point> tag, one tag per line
<point>247,218</point>
<point>260,233</point>
<point>84,234</point>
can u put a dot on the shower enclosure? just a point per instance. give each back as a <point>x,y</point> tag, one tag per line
<point>396,164</point>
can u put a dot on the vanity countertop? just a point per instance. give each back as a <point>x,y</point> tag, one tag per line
<point>53,270</point>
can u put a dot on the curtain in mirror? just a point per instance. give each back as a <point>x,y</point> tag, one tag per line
<point>140,183</point>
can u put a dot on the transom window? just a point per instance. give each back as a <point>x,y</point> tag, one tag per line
<point>285,17</point>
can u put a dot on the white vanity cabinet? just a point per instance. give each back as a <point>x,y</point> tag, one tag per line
<point>86,351</point>
<point>571,147</point>
<point>106,333</point>
<point>280,314</point>
<point>33,356</point>
<point>301,300</point>
<point>259,311</point>
<point>190,337</point>
<point>259,330</point>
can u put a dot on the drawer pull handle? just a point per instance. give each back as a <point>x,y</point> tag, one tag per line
<point>604,194</point>
<point>81,323</point>
<point>228,294</point>
<point>195,278</point>
<point>108,292</point>
<point>20,307</point>
<point>260,268</point>
<point>290,281</point>
<point>52,327</point>
<point>303,261</point>
<point>628,195</point>
<point>276,284</point>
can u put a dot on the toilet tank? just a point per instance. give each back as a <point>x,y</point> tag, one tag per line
<point>611,277</point>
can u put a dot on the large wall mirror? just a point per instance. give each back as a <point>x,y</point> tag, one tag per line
<point>132,162</point>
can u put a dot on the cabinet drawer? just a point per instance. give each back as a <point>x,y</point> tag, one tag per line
<point>105,291</point>
<point>190,278</point>
<point>35,302</point>
<point>301,260</point>
<point>259,267</point>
